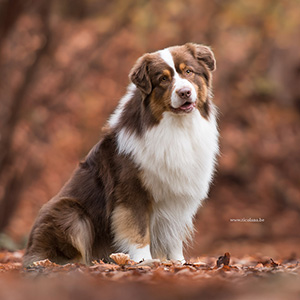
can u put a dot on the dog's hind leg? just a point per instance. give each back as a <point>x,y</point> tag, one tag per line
<point>71,219</point>
<point>62,233</point>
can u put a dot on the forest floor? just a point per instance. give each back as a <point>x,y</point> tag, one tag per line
<point>204,277</point>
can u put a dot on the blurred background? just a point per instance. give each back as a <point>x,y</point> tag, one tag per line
<point>64,65</point>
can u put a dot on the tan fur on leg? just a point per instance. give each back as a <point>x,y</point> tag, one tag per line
<point>130,228</point>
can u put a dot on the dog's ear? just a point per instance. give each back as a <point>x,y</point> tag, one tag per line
<point>139,74</point>
<point>203,53</point>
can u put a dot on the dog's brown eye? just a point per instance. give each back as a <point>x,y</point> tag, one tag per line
<point>164,78</point>
<point>188,71</point>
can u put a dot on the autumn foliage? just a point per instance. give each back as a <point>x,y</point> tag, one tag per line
<point>224,278</point>
<point>63,67</point>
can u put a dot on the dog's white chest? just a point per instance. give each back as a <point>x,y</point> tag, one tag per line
<point>176,157</point>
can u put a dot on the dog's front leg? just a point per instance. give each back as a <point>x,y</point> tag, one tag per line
<point>131,232</point>
<point>176,252</point>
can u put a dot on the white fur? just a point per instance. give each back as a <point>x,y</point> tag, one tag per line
<point>177,159</point>
<point>179,82</point>
<point>115,117</point>
<point>166,55</point>
<point>138,254</point>
<point>135,252</point>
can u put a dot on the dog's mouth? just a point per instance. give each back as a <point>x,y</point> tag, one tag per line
<point>186,107</point>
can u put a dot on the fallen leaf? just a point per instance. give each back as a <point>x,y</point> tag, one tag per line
<point>273,263</point>
<point>223,260</point>
<point>120,258</point>
<point>44,263</point>
<point>150,263</point>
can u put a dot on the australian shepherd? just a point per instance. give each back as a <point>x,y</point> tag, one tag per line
<point>140,186</point>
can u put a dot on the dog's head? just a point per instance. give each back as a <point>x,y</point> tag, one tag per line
<point>176,79</point>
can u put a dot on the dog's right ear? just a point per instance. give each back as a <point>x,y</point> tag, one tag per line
<point>139,74</point>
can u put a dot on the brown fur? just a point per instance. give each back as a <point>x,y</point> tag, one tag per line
<point>105,197</point>
<point>149,70</point>
<point>60,233</point>
<point>76,224</point>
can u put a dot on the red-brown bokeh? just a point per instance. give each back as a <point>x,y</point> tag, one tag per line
<point>64,66</point>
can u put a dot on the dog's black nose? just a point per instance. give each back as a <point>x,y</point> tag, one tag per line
<point>184,93</point>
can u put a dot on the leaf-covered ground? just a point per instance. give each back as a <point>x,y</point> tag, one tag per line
<point>205,277</point>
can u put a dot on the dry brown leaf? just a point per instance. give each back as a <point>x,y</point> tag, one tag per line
<point>98,262</point>
<point>223,260</point>
<point>273,263</point>
<point>150,262</point>
<point>3,258</point>
<point>138,267</point>
<point>105,267</point>
<point>44,263</point>
<point>120,258</point>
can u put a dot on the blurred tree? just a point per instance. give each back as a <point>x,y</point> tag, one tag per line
<point>14,177</point>
<point>64,65</point>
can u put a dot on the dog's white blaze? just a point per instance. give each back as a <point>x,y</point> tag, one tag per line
<point>176,159</point>
<point>166,55</point>
<point>179,82</point>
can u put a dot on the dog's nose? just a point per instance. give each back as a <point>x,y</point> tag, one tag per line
<point>184,93</point>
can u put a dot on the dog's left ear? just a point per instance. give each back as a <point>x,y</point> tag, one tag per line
<point>203,53</point>
<point>139,74</point>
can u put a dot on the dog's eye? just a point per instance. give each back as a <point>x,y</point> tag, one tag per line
<point>164,78</point>
<point>188,71</point>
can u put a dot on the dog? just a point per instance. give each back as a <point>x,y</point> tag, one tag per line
<point>140,186</point>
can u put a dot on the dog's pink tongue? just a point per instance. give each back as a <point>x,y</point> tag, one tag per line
<point>187,106</point>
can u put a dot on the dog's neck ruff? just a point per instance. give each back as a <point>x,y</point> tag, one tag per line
<point>176,157</point>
